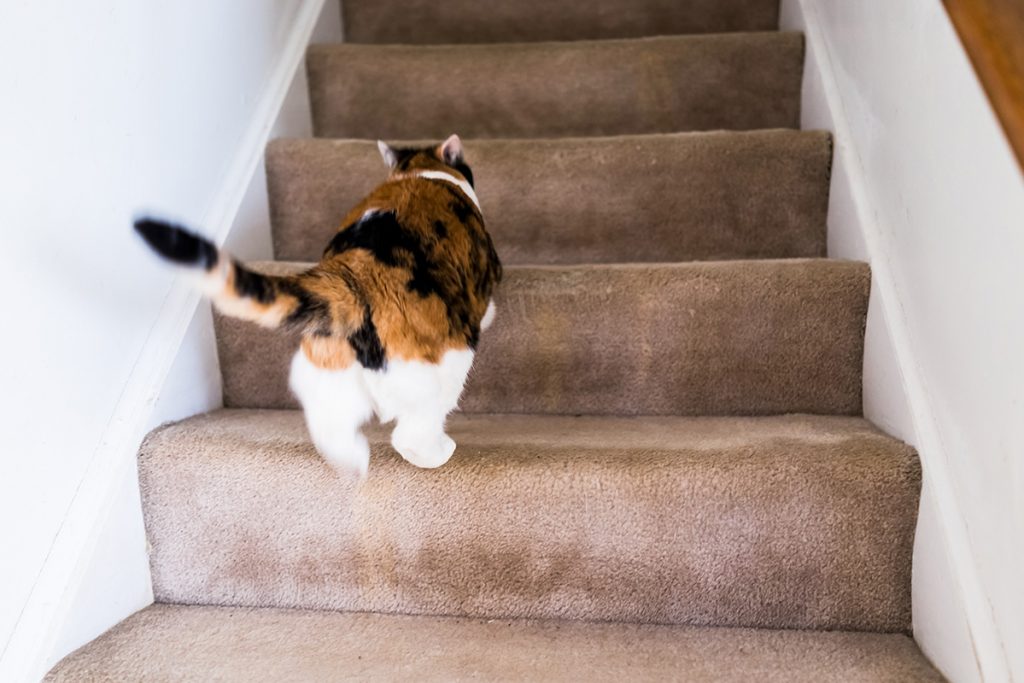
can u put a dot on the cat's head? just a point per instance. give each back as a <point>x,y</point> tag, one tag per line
<point>446,157</point>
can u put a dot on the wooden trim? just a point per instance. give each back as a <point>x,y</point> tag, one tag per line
<point>992,32</point>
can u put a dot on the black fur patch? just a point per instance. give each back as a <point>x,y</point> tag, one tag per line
<point>472,331</point>
<point>462,207</point>
<point>265,289</point>
<point>309,308</point>
<point>366,343</point>
<point>383,236</point>
<point>440,229</point>
<point>403,155</point>
<point>177,244</point>
<point>463,168</point>
<point>252,285</point>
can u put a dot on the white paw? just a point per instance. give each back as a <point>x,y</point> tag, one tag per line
<point>349,456</point>
<point>425,450</point>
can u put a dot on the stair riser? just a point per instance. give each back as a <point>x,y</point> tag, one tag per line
<point>655,85</point>
<point>776,535</point>
<point>682,197</point>
<point>418,22</point>
<point>757,338</point>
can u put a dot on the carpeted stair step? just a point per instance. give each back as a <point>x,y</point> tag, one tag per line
<point>714,338</point>
<point>777,522</point>
<point>419,22</point>
<point>674,197</point>
<point>511,90</point>
<point>172,642</point>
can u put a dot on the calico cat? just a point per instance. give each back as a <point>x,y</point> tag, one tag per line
<point>389,318</point>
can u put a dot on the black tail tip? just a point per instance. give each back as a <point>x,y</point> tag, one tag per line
<point>177,244</point>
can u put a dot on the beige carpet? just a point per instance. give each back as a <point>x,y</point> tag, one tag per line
<point>617,87</point>
<point>474,21</point>
<point>680,197</point>
<point>739,337</point>
<point>171,643</point>
<point>784,522</point>
<point>661,443</point>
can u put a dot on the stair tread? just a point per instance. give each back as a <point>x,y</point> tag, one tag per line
<point>472,21</point>
<point>708,338</point>
<point>662,197</point>
<point>165,642</point>
<point>644,85</point>
<point>791,521</point>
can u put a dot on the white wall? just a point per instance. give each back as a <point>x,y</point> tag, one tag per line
<point>110,106</point>
<point>926,188</point>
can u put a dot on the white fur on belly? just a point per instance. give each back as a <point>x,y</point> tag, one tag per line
<point>489,314</point>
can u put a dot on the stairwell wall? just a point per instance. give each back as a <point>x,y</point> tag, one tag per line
<point>116,107</point>
<point>925,188</point>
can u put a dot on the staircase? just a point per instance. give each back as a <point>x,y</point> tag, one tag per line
<point>662,472</point>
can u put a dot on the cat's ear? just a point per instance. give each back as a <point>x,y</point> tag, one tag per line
<point>451,150</point>
<point>388,154</point>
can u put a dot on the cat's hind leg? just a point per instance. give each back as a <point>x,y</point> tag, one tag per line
<point>419,437</point>
<point>419,396</point>
<point>336,404</point>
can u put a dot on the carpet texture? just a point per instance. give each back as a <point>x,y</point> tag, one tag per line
<point>680,197</point>
<point>783,522</point>
<point>193,644</point>
<point>650,85</point>
<point>472,21</point>
<point>728,338</point>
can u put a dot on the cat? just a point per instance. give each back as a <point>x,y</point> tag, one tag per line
<point>390,317</point>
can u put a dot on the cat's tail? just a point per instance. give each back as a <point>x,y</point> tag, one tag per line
<point>269,300</point>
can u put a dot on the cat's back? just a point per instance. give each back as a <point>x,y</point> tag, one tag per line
<point>418,252</point>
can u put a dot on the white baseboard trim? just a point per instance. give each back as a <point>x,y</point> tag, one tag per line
<point>25,657</point>
<point>986,641</point>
